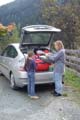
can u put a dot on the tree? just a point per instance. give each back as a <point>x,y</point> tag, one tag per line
<point>3,30</point>
<point>11,36</point>
<point>65,16</point>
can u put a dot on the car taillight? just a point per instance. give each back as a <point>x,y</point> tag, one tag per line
<point>21,68</point>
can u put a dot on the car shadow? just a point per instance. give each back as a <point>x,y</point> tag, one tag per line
<point>39,88</point>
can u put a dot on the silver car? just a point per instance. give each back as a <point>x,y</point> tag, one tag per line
<point>12,59</point>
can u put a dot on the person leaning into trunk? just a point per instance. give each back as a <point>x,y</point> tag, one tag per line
<point>30,67</point>
<point>59,66</point>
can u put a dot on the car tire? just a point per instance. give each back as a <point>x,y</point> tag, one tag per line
<point>1,73</point>
<point>12,82</point>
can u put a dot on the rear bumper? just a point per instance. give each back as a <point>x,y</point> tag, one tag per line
<point>41,78</point>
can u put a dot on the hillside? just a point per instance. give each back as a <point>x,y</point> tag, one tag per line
<point>21,12</point>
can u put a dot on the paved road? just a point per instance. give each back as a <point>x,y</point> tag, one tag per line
<point>16,105</point>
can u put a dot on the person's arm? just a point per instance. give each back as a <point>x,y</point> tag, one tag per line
<point>55,57</point>
<point>25,64</point>
<point>34,65</point>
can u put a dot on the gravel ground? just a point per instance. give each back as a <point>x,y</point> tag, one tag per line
<point>16,105</point>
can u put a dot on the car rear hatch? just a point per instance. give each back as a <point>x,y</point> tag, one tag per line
<point>37,35</point>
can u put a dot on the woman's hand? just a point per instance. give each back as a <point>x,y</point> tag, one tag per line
<point>46,54</point>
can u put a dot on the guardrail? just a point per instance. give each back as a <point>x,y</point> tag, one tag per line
<point>73,60</point>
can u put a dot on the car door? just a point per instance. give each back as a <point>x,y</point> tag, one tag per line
<point>3,57</point>
<point>8,59</point>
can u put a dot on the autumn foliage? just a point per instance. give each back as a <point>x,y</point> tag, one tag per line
<point>6,29</point>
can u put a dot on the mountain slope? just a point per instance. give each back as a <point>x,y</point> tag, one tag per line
<point>21,12</point>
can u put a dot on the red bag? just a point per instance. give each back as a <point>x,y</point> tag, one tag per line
<point>40,64</point>
<point>46,51</point>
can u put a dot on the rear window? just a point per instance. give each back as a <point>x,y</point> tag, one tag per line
<point>37,38</point>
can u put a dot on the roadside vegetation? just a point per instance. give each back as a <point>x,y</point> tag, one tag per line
<point>8,34</point>
<point>72,79</point>
<point>64,14</point>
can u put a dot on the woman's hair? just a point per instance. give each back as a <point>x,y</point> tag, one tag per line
<point>59,44</point>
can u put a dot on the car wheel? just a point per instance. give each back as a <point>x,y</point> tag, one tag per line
<point>12,82</point>
<point>0,74</point>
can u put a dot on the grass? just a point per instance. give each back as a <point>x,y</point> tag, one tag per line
<point>72,79</point>
<point>65,94</point>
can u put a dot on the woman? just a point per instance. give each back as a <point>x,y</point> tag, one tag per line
<point>59,66</point>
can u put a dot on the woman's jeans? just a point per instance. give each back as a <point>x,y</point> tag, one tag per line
<point>57,77</point>
<point>31,83</point>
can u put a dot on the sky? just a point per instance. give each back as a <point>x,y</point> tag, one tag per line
<point>3,2</point>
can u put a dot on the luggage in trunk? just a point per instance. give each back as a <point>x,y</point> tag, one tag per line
<point>40,64</point>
